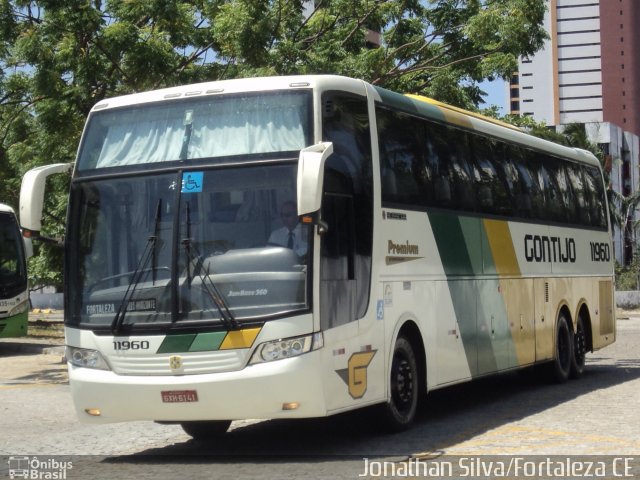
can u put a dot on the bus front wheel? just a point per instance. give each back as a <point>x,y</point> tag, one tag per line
<point>206,430</point>
<point>400,411</point>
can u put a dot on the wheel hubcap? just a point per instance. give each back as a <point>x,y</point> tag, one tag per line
<point>402,384</point>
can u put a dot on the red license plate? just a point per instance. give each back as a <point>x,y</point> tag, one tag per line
<point>179,396</point>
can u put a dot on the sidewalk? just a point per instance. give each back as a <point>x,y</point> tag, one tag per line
<point>45,335</point>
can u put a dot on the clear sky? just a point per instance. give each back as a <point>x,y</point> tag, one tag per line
<point>496,94</point>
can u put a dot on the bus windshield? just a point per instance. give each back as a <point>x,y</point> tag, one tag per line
<point>12,262</point>
<point>185,247</point>
<point>204,127</point>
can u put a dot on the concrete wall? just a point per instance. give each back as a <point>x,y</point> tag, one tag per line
<point>628,300</point>
<point>47,300</point>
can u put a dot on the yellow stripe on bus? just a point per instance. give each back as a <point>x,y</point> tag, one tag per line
<point>501,244</point>
<point>240,338</point>
<point>459,116</point>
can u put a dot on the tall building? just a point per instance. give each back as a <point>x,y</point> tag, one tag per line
<point>589,72</point>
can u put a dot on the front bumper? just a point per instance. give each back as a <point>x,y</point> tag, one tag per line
<point>257,391</point>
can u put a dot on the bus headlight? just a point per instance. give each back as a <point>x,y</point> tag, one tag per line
<point>287,348</point>
<point>83,357</point>
<point>20,308</point>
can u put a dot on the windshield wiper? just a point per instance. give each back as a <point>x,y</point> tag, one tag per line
<point>148,253</point>
<point>212,290</point>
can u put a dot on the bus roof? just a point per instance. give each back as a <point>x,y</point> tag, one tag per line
<point>414,104</point>
<point>239,85</point>
<point>441,112</point>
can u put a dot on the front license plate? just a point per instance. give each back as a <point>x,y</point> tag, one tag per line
<point>179,396</point>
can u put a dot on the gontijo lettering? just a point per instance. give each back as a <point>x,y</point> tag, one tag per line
<point>540,248</point>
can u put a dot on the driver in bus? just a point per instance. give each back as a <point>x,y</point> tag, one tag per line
<point>292,234</point>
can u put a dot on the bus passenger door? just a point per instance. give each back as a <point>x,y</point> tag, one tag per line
<point>351,350</point>
<point>337,277</point>
<point>337,298</point>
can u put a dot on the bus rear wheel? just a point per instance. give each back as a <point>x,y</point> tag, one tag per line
<point>206,430</point>
<point>561,364</point>
<point>579,349</point>
<point>400,411</point>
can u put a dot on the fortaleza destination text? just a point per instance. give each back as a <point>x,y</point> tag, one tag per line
<point>512,467</point>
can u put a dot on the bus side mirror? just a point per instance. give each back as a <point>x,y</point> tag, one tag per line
<point>311,176</point>
<point>32,197</point>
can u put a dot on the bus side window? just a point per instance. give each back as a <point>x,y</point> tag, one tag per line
<point>438,157</point>
<point>461,171</point>
<point>577,185</point>
<point>517,177</point>
<point>555,201</point>
<point>512,201</point>
<point>403,168</point>
<point>566,192</point>
<point>596,197</point>
<point>532,169</point>
<point>493,193</point>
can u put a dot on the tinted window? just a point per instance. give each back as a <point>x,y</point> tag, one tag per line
<point>424,163</point>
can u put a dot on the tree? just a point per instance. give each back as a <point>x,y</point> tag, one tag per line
<point>60,57</point>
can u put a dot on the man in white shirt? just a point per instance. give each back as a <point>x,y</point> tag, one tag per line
<point>291,235</point>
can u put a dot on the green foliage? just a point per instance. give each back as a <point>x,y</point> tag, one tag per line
<point>59,57</point>
<point>628,277</point>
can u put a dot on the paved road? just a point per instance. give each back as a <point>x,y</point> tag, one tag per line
<point>506,415</point>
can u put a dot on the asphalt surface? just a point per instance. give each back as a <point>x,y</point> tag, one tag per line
<point>510,416</point>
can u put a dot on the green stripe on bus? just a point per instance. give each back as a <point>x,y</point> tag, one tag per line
<point>410,105</point>
<point>176,343</point>
<point>205,342</point>
<point>452,246</point>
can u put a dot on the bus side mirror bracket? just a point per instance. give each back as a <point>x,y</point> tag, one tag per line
<point>311,177</point>
<point>32,193</point>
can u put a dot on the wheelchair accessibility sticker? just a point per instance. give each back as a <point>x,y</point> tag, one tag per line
<point>192,182</point>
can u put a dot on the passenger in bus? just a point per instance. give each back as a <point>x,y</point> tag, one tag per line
<point>292,234</point>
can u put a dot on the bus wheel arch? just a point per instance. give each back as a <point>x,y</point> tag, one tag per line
<point>406,378</point>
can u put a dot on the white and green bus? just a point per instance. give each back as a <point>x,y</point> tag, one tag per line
<point>302,246</point>
<point>14,292</point>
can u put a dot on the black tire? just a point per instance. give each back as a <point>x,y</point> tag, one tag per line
<point>579,349</point>
<point>561,364</point>
<point>404,385</point>
<point>206,430</point>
